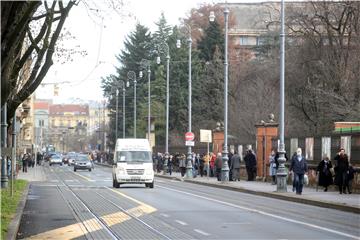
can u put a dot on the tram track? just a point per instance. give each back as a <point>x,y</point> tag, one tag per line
<point>92,222</point>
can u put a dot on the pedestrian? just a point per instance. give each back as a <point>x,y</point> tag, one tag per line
<point>201,166</point>
<point>212,165</point>
<point>235,166</point>
<point>218,165</point>
<point>342,166</point>
<point>272,167</point>
<point>350,177</point>
<point>325,175</point>
<point>24,162</point>
<point>250,162</point>
<point>206,161</point>
<point>170,164</point>
<point>298,167</point>
<point>230,155</point>
<point>182,164</point>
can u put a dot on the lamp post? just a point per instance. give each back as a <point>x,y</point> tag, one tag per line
<point>164,48</point>
<point>281,173</point>
<point>124,92</point>
<point>145,64</point>
<point>132,76</point>
<point>117,114</point>
<point>189,173</point>
<point>225,166</point>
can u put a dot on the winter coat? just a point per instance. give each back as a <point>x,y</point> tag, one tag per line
<point>298,167</point>
<point>235,160</point>
<point>250,160</point>
<point>218,162</point>
<point>342,163</point>
<point>272,165</point>
<point>325,175</point>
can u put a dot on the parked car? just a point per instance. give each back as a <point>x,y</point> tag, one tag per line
<point>55,159</point>
<point>82,162</point>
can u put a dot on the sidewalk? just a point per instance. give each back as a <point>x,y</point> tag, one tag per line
<point>35,174</point>
<point>330,199</point>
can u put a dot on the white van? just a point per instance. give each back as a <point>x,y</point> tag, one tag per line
<point>133,162</point>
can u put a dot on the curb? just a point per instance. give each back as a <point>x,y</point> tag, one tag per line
<point>345,208</point>
<point>15,222</point>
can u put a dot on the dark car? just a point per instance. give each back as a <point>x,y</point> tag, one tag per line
<point>70,158</point>
<point>82,162</point>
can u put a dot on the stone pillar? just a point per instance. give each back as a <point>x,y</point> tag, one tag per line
<point>218,138</point>
<point>265,131</point>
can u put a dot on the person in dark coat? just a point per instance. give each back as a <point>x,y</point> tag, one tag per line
<point>350,177</point>
<point>298,167</point>
<point>250,162</point>
<point>24,162</point>
<point>341,169</point>
<point>325,175</point>
<point>170,164</point>
<point>235,167</point>
<point>230,154</point>
<point>218,165</point>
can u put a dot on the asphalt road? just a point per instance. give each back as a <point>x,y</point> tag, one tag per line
<point>83,205</point>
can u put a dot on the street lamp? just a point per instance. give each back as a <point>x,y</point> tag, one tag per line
<point>132,76</point>
<point>225,158</point>
<point>163,48</point>
<point>189,153</point>
<point>281,172</point>
<point>120,85</point>
<point>145,64</point>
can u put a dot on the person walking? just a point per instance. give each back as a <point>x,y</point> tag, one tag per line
<point>235,161</point>
<point>341,169</point>
<point>218,165</point>
<point>170,164</point>
<point>201,166</point>
<point>325,175</point>
<point>182,164</point>
<point>298,167</point>
<point>250,162</point>
<point>212,165</point>
<point>24,162</point>
<point>272,167</point>
<point>207,164</point>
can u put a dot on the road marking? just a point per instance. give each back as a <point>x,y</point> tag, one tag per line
<point>54,180</point>
<point>69,180</point>
<point>202,232</point>
<point>265,213</point>
<point>164,215</point>
<point>86,178</point>
<point>181,222</point>
<point>237,223</point>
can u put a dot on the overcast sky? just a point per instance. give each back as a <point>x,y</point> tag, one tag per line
<point>102,40</point>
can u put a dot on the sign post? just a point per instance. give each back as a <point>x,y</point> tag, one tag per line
<point>206,136</point>
<point>189,139</point>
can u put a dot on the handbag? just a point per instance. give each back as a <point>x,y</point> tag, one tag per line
<point>332,171</point>
<point>306,179</point>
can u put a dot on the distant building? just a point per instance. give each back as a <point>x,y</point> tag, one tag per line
<point>67,125</point>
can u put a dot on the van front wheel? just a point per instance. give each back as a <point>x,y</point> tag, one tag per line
<point>116,184</point>
<point>149,185</point>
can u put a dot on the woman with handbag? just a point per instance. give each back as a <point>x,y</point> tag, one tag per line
<point>324,171</point>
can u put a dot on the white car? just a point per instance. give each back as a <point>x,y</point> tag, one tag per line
<point>55,159</point>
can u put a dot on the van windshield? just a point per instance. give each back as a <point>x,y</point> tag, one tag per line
<point>133,156</point>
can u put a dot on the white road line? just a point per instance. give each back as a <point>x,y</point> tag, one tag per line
<point>266,214</point>
<point>54,180</point>
<point>201,232</point>
<point>69,180</point>
<point>164,215</point>
<point>181,222</point>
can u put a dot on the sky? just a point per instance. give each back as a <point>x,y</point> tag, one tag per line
<point>102,39</point>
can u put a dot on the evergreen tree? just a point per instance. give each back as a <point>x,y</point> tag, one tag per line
<point>136,48</point>
<point>212,39</point>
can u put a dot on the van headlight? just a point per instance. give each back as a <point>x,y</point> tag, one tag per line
<point>121,171</point>
<point>149,172</point>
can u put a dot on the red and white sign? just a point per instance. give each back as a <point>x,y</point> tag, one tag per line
<point>189,136</point>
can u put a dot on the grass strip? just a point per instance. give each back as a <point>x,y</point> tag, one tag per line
<point>10,203</point>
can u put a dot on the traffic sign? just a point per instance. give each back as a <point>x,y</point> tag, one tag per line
<point>189,136</point>
<point>189,143</point>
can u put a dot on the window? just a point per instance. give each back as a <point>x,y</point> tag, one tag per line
<point>294,143</point>
<point>53,122</point>
<point>346,144</point>
<point>326,147</point>
<point>309,148</point>
<point>244,40</point>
